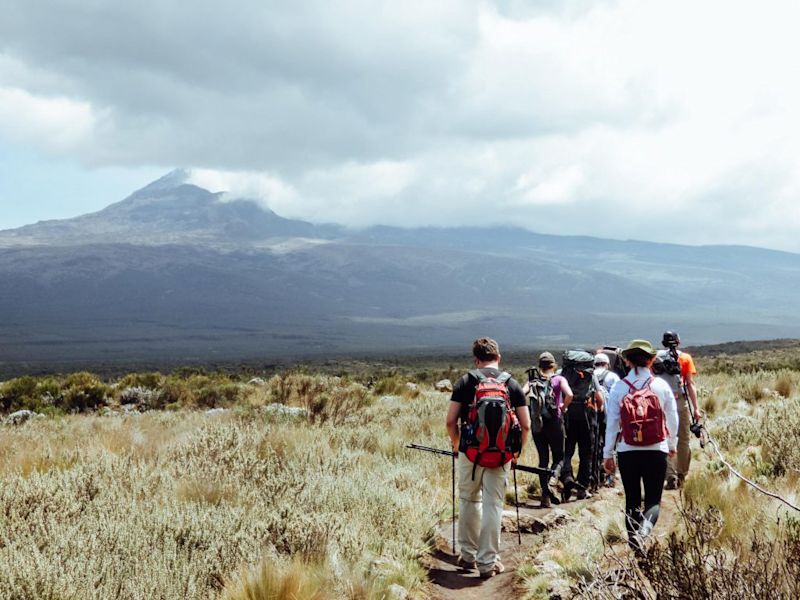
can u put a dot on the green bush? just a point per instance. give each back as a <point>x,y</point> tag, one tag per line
<point>84,391</point>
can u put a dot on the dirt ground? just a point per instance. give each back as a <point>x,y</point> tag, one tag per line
<point>450,583</point>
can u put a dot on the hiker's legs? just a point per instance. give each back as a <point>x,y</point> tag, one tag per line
<point>684,454</point>
<point>570,444</point>
<point>630,471</point>
<point>598,446</point>
<point>541,441</point>
<point>469,508</point>
<point>679,464</point>
<point>585,443</point>
<point>494,492</point>
<point>555,437</point>
<point>653,476</point>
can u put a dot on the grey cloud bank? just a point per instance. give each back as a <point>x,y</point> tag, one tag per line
<point>617,119</point>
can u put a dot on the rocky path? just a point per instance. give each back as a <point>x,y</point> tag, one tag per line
<point>450,583</point>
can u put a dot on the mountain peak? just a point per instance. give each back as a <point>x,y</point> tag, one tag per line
<point>171,180</point>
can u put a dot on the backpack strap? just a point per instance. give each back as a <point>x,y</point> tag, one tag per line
<point>503,377</point>
<point>634,388</point>
<point>476,373</point>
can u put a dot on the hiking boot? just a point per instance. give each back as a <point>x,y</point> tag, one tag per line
<point>672,483</point>
<point>566,492</point>
<point>545,503</point>
<point>466,565</point>
<point>495,570</point>
<point>583,495</point>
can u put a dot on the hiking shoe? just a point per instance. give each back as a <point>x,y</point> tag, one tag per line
<point>466,565</point>
<point>672,483</point>
<point>495,570</point>
<point>566,492</point>
<point>545,503</point>
<point>583,495</point>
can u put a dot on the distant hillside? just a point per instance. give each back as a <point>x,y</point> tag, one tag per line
<point>175,271</point>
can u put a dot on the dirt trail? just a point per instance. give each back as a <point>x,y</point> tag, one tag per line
<point>450,583</point>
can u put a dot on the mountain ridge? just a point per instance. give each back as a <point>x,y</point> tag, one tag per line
<point>196,276</point>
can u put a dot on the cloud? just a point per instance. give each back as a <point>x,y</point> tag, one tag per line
<point>56,123</point>
<point>671,121</point>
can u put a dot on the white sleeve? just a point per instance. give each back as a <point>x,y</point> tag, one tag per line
<point>671,411</point>
<point>612,418</point>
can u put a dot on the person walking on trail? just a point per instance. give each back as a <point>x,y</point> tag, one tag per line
<point>580,422</point>
<point>677,368</point>
<point>607,379</point>
<point>641,411</point>
<point>550,396</point>
<point>478,398</point>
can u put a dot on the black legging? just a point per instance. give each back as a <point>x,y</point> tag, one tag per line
<point>637,467</point>
<point>549,439</point>
<point>580,435</point>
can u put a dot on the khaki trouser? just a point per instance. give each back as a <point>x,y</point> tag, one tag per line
<point>679,464</point>
<point>480,512</point>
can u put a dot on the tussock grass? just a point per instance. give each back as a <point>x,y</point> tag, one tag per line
<point>239,505</point>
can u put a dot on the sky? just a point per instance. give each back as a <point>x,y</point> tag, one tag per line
<point>632,119</point>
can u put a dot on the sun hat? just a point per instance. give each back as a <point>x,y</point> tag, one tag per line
<point>642,345</point>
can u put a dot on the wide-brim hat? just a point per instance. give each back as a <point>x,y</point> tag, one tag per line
<point>642,345</point>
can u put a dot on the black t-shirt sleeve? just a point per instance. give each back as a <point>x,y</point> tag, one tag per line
<point>462,391</point>
<point>515,394</point>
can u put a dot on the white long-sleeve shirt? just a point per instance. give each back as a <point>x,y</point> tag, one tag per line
<point>638,377</point>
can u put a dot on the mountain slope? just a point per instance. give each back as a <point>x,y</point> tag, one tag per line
<point>178,271</point>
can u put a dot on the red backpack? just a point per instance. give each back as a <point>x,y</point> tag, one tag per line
<point>641,416</point>
<point>491,432</point>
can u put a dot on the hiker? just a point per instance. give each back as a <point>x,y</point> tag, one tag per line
<point>580,423</point>
<point>607,379</point>
<point>550,396</point>
<point>482,488</point>
<point>642,409</point>
<point>679,374</point>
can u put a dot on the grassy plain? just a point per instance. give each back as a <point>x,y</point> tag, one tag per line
<point>260,501</point>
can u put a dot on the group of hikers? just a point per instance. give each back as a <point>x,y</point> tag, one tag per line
<point>633,409</point>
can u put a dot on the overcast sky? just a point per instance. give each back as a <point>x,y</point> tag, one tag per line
<point>668,121</point>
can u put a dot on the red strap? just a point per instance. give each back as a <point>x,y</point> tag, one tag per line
<point>634,388</point>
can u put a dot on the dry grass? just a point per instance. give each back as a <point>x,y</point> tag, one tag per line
<point>238,505</point>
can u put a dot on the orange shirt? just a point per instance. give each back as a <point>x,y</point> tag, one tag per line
<point>687,364</point>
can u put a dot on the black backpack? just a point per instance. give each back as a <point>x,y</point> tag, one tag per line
<point>578,370</point>
<point>541,399</point>
<point>616,362</point>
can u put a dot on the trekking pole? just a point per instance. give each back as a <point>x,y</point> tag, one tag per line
<point>516,467</point>
<point>516,504</point>
<point>696,426</point>
<point>453,473</point>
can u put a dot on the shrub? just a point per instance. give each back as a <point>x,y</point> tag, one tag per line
<point>780,436</point>
<point>84,391</point>
<point>152,381</point>
<point>18,393</point>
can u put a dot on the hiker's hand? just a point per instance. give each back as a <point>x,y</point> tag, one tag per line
<point>609,466</point>
<point>699,414</point>
<point>515,458</point>
<point>672,453</point>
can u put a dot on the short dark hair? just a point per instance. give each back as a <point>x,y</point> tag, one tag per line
<point>485,349</point>
<point>638,357</point>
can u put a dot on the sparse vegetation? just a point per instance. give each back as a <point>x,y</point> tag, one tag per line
<point>282,493</point>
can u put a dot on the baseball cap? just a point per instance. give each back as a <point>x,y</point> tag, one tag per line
<point>547,358</point>
<point>601,358</point>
